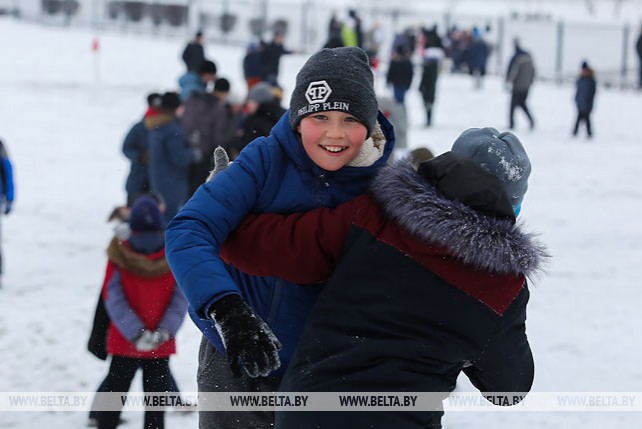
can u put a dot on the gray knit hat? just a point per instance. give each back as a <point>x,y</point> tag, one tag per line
<point>335,79</point>
<point>261,93</point>
<point>501,154</point>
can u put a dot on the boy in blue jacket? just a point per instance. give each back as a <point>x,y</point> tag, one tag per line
<point>6,186</point>
<point>323,152</point>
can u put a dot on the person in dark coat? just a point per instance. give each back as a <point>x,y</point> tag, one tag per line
<point>253,65</point>
<point>146,309</point>
<point>263,110</point>
<point>135,148</point>
<point>194,53</point>
<point>520,76</point>
<point>170,155</point>
<point>400,73</point>
<point>428,85</point>
<point>433,54</point>
<point>426,278</point>
<point>204,121</point>
<point>271,58</point>
<point>232,111</point>
<point>334,33</point>
<point>476,57</point>
<point>584,97</point>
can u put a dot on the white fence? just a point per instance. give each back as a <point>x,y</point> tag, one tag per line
<point>558,47</point>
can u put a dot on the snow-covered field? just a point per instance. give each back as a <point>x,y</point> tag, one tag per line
<point>64,112</point>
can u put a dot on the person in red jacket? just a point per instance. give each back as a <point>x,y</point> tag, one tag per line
<point>146,309</point>
<point>426,278</point>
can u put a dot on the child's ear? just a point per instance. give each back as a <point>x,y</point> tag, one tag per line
<point>298,128</point>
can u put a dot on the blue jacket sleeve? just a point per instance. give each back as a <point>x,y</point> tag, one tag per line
<point>7,180</point>
<point>507,362</point>
<point>194,237</point>
<point>119,310</point>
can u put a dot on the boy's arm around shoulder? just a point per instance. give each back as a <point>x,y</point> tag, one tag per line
<point>506,364</point>
<point>303,248</point>
<point>195,236</point>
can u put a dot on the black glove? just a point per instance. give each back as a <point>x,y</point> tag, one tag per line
<point>246,337</point>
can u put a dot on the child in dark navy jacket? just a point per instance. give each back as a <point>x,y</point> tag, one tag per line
<point>427,278</point>
<point>584,97</point>
<point>6,188</point>
<point>321,153</point>
<point>146,309</point>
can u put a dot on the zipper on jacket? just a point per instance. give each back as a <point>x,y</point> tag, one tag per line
<point>324,181</point>
<point>274,305</point>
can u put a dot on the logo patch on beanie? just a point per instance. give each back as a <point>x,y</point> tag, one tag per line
<point>318,92</point>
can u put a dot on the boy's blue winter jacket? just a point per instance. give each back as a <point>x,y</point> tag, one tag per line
<point>272,175</point>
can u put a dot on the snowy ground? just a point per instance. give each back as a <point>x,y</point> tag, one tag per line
<point>63,114</point>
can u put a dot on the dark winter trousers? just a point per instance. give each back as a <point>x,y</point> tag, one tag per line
<point>156,376</point>
<point>518,99</point>
<point>583,117</point>
<point>428,107</point>
<point>214,375</point>
<point>399,93</point>
<point>93,414</point>
<point>428,87</point>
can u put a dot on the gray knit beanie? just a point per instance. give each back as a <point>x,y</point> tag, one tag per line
<point>501,154</point>
<point>335,79</point>
<point>261,93</point>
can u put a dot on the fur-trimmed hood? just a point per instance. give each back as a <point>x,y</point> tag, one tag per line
<point>158,120</point>
<point>142,265</point>
<point>486,242</point>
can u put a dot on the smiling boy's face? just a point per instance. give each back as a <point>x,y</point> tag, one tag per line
<point>332,139</point>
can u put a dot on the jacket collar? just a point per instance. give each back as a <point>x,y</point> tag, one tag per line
<point>152,265</point>
<point>292,146</point>
<point>488,243</point>
<point>158,120</point>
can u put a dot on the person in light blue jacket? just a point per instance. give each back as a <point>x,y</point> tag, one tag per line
<point>193,81</point>
<point>6,187</point>
<point>322,152</point>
